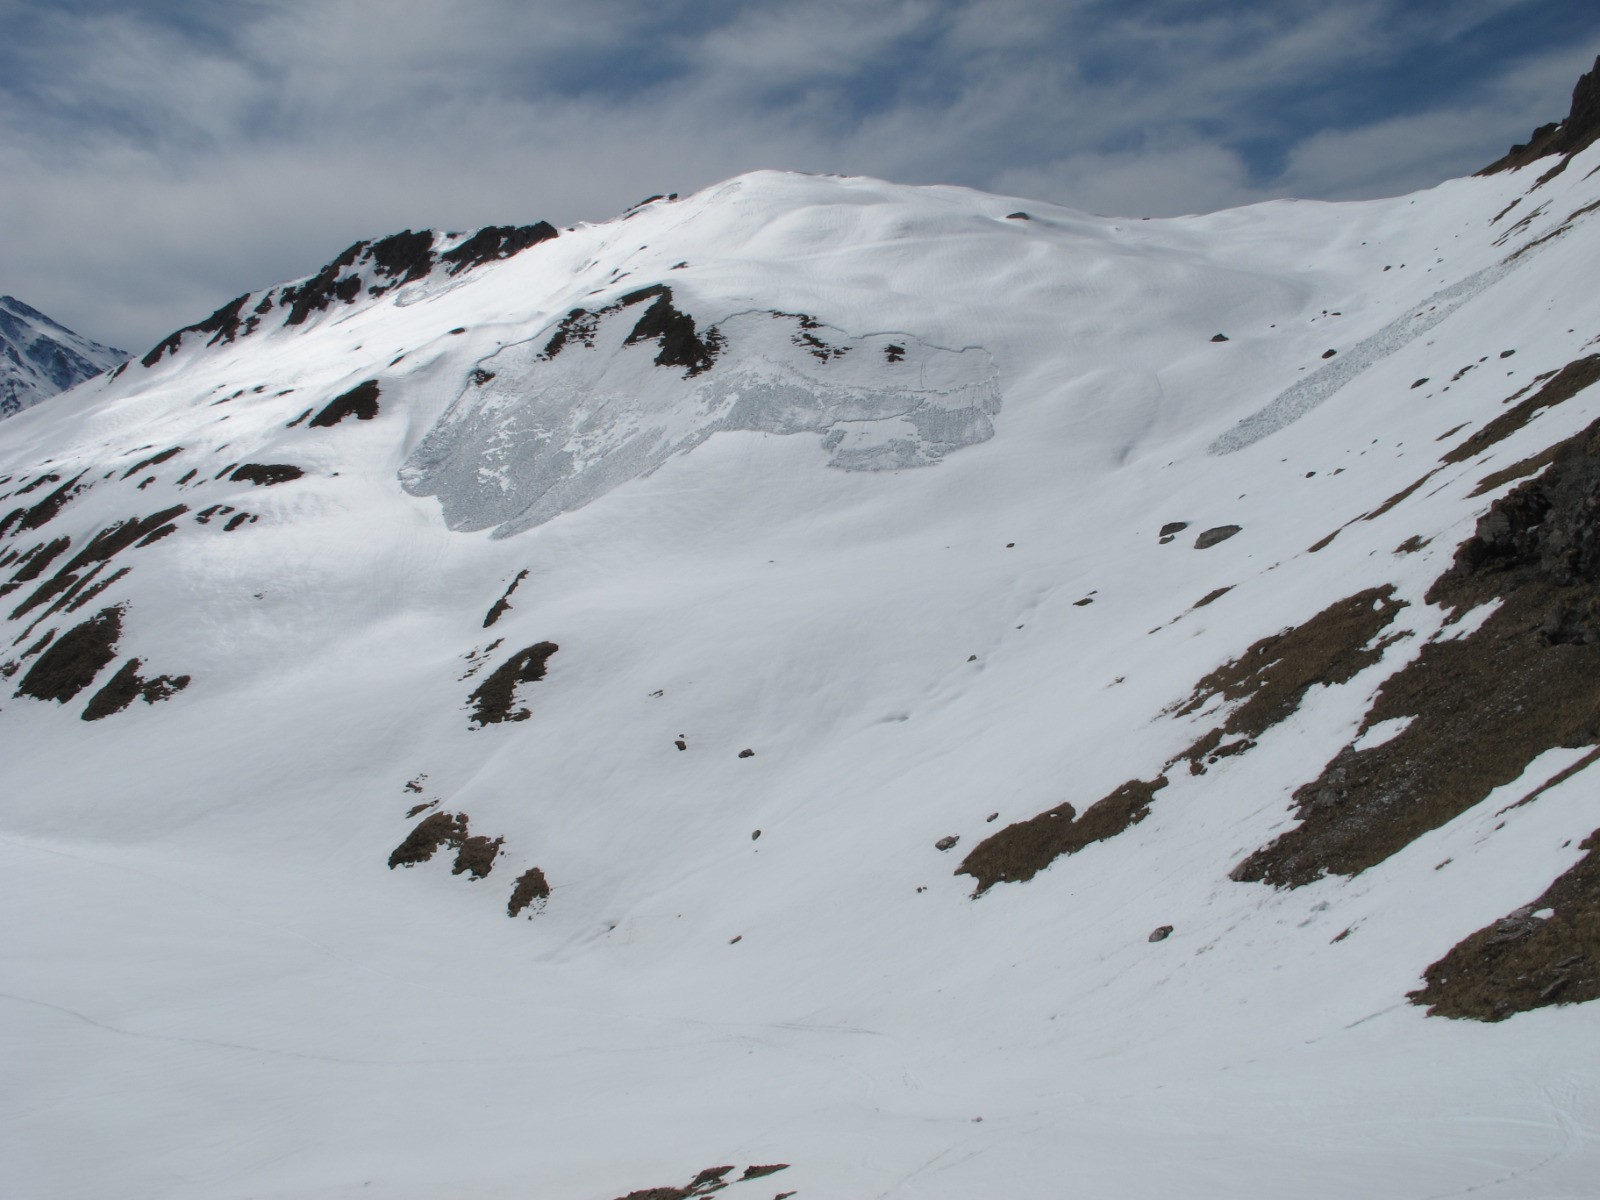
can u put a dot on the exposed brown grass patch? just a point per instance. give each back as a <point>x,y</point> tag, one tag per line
<point>1517,470</point>
<point>495,699</point>
<point>1402,494</point>
<point>476,856</point>
<point>503,605</point>
<point>20,520</point>
<point>428,836</point>
<point>1265,684</point>
<point>34,563</point>
<point>1019,852</point>
<point>1270,679</point>
<point>1562,386</point>
<point>71,663</point>
<point>1524,961</point>
<point>114,539</point>
<point>712,1179</point>
<point>266,474</point>
<point>755,1172</point>
<point>1483,705</point>
<point>532,889</point>
<point>153,461</point>
<point>126,686</point>
<point>360,402</point>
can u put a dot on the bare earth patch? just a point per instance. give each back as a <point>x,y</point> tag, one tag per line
<point>532,890</point>
<point>495,699</point>
<point>1546,952</point>
<point>1266,684</point>
<point>712,1179</point>
<point>360,402</point>
<point>503,605</point>
<point>126,686</point>
<point>1484,705</point>
<point>1019,852</point>
<point>74,659</point>
<point>428,836</point>
<point>477,855</point>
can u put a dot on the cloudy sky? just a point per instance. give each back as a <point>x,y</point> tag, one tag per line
<point>161,156</point>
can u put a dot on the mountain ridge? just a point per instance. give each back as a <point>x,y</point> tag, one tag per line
<point>812,673</point>
<point>40,358</point>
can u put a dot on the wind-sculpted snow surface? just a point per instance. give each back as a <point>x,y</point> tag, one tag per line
<point>547,426</point>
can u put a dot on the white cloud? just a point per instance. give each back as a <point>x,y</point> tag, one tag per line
<point>161,167</point>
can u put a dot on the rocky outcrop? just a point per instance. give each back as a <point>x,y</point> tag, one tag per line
<point>1578,132</point>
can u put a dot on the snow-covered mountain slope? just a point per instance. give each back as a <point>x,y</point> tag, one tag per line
<point>40,358</point>
<point>957,696</point>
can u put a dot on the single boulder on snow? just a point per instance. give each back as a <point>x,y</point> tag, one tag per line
<point>1219,533</point>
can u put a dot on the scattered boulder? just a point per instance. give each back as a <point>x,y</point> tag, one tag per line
<point>1160,933</point>
<point>947,843</point>
<point>1218,533</point>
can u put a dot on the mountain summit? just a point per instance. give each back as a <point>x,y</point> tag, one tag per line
<point>829,688</point>
<point>40,358</point>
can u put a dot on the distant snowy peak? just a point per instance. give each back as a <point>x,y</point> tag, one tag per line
<point>1578,132</point>
<point>370,268</point>
<point>40,358</point>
